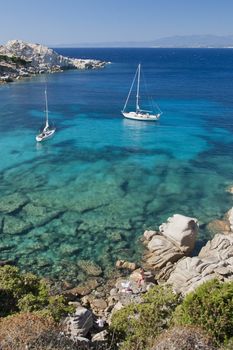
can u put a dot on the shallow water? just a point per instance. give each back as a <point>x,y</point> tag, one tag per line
<point>90,191</point>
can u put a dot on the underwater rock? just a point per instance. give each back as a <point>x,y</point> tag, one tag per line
<point>122,264</point>
<point>6,246</point>
<point>71,217</point>
<point>69,249</point>
<point>114,237</point>
<point>102,219</point>
<point>99,194</point>
<point>55,199</point>
<point>14,225</point>
<point>35,246</point>
<point>90,267</point>
<point>225,225</point>
<point>38,215</point>
<point>230,189</point>
<point>44,262</point>
<point>24,181</point>
<point>12,202</point>
<point>84,288</point>
<point>218,226</point>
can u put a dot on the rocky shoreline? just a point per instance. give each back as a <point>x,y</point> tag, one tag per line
<point>167,260</point>
<point>19,59</point>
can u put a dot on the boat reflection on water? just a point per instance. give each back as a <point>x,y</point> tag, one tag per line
<point>134,124</point>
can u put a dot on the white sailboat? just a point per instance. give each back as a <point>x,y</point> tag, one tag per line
<point>47,131</point>
<point>139,114</point>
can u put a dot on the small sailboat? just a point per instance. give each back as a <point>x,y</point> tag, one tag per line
<point>47,131</point>
<point>139,114</point>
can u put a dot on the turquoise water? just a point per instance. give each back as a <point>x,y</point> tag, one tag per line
<point>90,191</point>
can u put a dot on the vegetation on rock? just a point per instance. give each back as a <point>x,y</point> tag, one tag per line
<point>13,59</point>
<point>30,317</point>
<point>210,306</point>
<point>136,325</point>
<point>203,319</point>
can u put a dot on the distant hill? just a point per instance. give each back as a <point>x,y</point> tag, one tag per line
<point>182,41</point>
<point>195,41</point>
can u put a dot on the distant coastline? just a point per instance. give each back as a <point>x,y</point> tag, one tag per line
<point>141,47</point>
<point>182,41</point>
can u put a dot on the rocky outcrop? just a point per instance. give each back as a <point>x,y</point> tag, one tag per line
<point>79,324</point>
<point>167,252</point>
<point>38,56</point>
<point>225,225</point>
<point>182,231</point>
<point>214,260</point>
<point>166,260</point>
<point>161,251</point>
<point>21,59</point>
<point>176,239</point>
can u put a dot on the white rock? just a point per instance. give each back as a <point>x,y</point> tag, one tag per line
<point>100,337</point>
<point>162,251</point>
<point>40,58</point>
<point>215,260</point>
<point>182,231</point>
<point>148,234</point>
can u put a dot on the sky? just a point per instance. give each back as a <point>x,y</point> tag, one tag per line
<point>53,22</point>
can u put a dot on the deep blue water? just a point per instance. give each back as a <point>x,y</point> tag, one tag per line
<point>90,191</point>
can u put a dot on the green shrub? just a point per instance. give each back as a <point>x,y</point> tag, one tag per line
<point>228,345</point>
<point>58,307</point>
<point>11,280</point>
<point>28,293</point>
<point>136,325</point>
<point>211,307</point>
<point>14,59</point>
<point>7,303</point>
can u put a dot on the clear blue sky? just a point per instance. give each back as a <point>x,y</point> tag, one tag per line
<point>74,21</point>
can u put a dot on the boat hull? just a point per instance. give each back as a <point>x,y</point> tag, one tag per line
<point>141,116</point>
<point>45,136</point>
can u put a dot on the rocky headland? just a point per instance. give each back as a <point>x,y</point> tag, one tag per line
<point>19,59</point>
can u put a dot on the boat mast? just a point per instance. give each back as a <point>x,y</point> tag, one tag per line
<point>130,90</point>
<point>137,97</point>
<point>46,110</point>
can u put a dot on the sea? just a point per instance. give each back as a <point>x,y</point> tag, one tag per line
<point>82,200</point>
